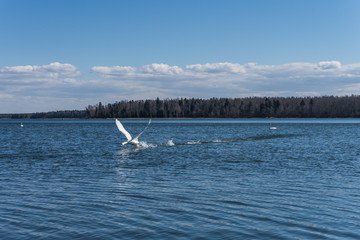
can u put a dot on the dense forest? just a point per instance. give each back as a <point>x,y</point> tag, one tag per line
<point>250,107</point>
<point>53,114</point>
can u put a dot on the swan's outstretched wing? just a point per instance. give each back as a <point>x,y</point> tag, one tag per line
<point>123,130</point>
<point>136,138</point>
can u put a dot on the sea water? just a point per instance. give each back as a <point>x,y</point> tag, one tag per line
<point>189,179</point>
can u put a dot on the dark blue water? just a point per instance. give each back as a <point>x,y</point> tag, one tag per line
<point>192,179</point>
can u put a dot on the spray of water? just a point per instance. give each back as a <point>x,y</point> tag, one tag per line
<point>170,143</point>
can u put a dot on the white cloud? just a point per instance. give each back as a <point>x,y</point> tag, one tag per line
<point>233,79</point>
<point>48,85</point>
<point>349,89</point>
<point>329,65</point>
<point>69,80</point>
<point>34,73</point>
<point>6,96</point>
<point>18,69</point>
<point>22,86</point>
<point>113,71</point>
<point>217,68</point>
<point>56,67</point>
<point>61,68</point>
<point>154,69</point>
<point>161,68</point>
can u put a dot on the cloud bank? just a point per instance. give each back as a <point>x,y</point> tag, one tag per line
<point>236,80</point>
<point>58,86</point>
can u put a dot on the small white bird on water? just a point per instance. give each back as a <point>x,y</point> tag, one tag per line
<point>272,128</point>
<point>133,141</point>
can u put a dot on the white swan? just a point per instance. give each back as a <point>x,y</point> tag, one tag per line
<point>133,141</point>
<point>272,128</point>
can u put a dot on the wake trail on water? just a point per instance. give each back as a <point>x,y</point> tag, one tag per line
<point>227,140</point>
<point>171,143</point>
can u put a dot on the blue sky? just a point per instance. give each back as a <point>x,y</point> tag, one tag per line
<point>57,55</point>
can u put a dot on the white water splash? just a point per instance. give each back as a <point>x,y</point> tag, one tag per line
<point>170,143</point>
<point>146,145</point>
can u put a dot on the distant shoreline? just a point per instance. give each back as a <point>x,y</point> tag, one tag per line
<point>179,118</point>
<point>214,108</point>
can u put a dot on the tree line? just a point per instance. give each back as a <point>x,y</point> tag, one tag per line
<point>52,114</point>
<point>249,107</point>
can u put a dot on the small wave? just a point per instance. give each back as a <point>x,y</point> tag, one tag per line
<point>191,143</point>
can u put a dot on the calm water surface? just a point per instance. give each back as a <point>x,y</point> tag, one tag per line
<point>192,179</point>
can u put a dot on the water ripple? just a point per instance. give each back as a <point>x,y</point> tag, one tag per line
<point>230,180</point>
